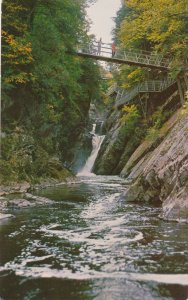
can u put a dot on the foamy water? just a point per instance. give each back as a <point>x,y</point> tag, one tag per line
<point>91,242</point>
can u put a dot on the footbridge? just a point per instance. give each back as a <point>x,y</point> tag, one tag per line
<point>103,52</point>
<point>152,86</point>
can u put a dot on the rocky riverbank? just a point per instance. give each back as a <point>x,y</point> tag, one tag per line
<point>161,175</point>
<point>25,200</point>
<point>18,196</point>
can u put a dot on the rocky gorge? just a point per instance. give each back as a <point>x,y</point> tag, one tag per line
<point>161,175</point>
<point>157,167</point>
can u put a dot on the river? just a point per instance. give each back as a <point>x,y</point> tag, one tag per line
<point>90,244</point>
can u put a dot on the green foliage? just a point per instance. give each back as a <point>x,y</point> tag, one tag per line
<point>24,159</point>
<point>185,109</point>
<point>131,117</point>
<point>45,91</point>
<point>152,26</point>
<point>15,152</point>
<point>161,23</point>
<point>130,121</point>
<point>159,117</point>
<point>157,120</point>
<point>185,105</point>
<point>152,134</point>
<point>124,143</point>
<point>122,13</point>
<point>130,76</point>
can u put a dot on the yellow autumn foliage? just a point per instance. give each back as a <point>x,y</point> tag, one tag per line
<point>161,22</point>
<point>17,52</point>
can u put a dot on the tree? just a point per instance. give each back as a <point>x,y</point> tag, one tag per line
<point>46,91</point>
<point>163,24</point>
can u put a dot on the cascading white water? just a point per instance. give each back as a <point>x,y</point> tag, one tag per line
<point>93,129</point>
<point>96,144</point>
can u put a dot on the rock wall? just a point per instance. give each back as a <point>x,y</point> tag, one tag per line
<point>120,143</point>
<point>117,147</point>
<point>107,158</point>
<point>162,174</point>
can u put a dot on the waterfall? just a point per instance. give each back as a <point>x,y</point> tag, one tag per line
<point>96,144</point>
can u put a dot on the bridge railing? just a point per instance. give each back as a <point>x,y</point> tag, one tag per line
<point>142,57</point>
<point>155,86</point>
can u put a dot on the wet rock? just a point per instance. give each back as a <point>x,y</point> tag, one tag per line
<point>111,150</point>
<point>145,149</point>
<point>136,157</point>
<point>175,207</point>
<point>134,193</point>
<point>5,216</point>
<point>14,188</point>
<point>163,174</point>
<point>36,200</point>
<point>3,204</point>
<point>27,201</point>
<point>19,203</point>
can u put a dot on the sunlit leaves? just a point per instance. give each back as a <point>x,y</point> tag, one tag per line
<point>163,23</point>
<point>130,118</point>
<point>13,12</point>
<point>16,55</point>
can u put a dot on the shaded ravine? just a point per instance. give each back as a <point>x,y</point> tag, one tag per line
<point>90,244</point>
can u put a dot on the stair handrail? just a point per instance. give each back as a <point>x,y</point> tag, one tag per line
<point>143,87</point>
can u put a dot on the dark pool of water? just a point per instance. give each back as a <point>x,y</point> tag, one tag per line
<point>91,245</point>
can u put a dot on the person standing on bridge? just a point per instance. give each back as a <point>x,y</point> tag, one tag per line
<point>113,49</point>
<point>99,46</point>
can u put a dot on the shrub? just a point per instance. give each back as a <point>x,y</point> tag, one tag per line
<point>184,110</point>
<point>130,117</point>
<point>152,134</point>
<point>23,158</point>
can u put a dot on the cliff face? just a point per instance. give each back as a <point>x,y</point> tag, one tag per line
<point>162,174</point>
<point>107,159</point>
<point>120,142</point>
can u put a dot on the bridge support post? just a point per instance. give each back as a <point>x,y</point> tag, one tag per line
<point>180,91</point>
<point>182,81</point>
<point>144,106</point>
<point>186,80</point>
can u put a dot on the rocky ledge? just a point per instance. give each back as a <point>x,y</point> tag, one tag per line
<point>5,216</point>
<point>14,188</point>
<point>27,200</point>
<point>162,174</point>
<point>16,195</point>
<point>24,187</point>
